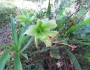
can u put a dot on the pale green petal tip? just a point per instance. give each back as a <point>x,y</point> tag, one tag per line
<point>31,30</point>
<point>43,38</point>
<point>39,22</point>
<point>53,33</point>
<point>48,43</point>
<point>53,23</point>
<point>49,24</point>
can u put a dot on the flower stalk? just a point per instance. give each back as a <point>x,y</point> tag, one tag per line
<point>36,42</point>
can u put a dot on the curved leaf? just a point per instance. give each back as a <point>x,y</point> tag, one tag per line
<point>26,46</point>
<point>55,53</point>
<point>74,60</point>
<point>3,59</point>
<point>23,19</point>
<point>17,62</point>
<point>25,13</point>
<point>73,28</point>
<point>14,32</point>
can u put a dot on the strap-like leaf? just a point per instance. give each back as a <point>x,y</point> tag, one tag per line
<point>24,55</point>
<point>17,62</point>
<point>55,53</point>
<point>59,24</point>
<point>14,33</point>
<point>22,37</point>
<point>74,60</point>
<point>49,9</point>
<point>29,42</point>
<point>25,13</point>
<point>25,19</point>
<point>62,12</point>
<point>73,28</point>
<point>3,59</point>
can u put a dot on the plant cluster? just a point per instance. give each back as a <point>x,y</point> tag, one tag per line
<point>55,33</point>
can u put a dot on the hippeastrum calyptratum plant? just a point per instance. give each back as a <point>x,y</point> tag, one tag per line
<point>42,30</point>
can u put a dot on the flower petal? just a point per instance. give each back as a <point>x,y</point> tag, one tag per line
<point>48,43</point>
<point>32,30</point>
<point>39,23</point>
<point>53,33</point>
<point>43,38</point>
<point>49,24</point>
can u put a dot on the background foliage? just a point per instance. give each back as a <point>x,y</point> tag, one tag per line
<point>72,19</point>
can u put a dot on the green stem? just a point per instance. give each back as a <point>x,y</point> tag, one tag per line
<point>36,42</point>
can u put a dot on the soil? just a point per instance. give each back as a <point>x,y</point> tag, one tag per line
<point>5,35</point>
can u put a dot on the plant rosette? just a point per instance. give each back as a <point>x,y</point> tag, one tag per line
<point>42,30</point>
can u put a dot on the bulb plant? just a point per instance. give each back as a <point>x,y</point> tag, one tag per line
<point>43,30</point>
<point>18,39</point>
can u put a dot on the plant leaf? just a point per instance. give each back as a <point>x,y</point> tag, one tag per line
<point>3,58</point>
<point>73,28</point>
<point>14,33</point>
<point>81,12</point>
<point>25,13</point>
<point>29,42</point>
<point>59,24</point>
<point>24,55</point>
<point>22,37</point>
<point>62,12</point>
<point>33,17</point>
<point>74,60</point>
<point>49,9</point>
<point>55,53</point>
<point>23,19</point>
<point>17,62</point>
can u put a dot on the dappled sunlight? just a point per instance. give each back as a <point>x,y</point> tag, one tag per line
<point>26,5</point>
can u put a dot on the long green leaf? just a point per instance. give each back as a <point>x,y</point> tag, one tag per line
<point>62,12</point>
<point>25,13</point>
<point>17,62</point>
<point>14,33</point>
<point>49,9</point>
<point>3,59</point>
<point>24,55</point>
<point>72,57</point>
<point>24,19</point>
<point>55,53</point>
<point>22,37</point>
<point>73,28</point>
<point>21,33</point>
<point>59,24</point>
<point>81,12</point>
<point>26,46</point>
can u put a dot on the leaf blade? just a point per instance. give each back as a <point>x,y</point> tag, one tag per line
<point>17,62</point>
<point>73,28</point>
<point>74,60</point>
<point>3,59</point>
<point>14,33</point>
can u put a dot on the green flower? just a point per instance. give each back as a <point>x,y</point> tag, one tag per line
<point>42,30</point>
